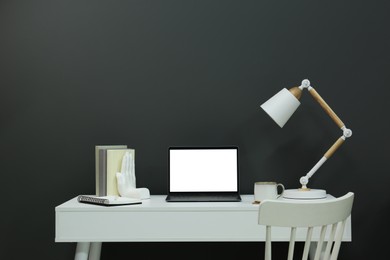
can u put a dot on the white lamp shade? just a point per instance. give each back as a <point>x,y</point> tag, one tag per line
<point>281,106</point>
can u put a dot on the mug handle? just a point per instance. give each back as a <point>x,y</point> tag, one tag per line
<point>281,185</point>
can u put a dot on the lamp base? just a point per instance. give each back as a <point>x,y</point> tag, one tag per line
<point>304,194</point>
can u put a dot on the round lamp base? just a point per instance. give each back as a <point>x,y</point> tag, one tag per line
<point>304,194</point>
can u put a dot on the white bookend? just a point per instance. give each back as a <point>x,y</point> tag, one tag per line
<point>114,164</point>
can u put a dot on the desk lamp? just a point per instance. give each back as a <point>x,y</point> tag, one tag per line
<point>280,108</point>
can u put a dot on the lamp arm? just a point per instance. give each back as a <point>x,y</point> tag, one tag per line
<point>346,133</point>
<point>326,107</point>
<point>304,180</point>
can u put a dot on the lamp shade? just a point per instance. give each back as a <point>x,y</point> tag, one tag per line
<point>281,106</point>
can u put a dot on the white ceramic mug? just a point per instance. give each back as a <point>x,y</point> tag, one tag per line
<point>267,190</point>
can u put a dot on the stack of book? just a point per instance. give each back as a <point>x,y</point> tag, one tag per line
<point>108,161</point>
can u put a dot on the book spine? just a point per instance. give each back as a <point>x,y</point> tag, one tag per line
<point>102,173</point>
<point>97,180</point>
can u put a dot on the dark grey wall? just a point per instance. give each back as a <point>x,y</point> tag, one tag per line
<point>150,74</point>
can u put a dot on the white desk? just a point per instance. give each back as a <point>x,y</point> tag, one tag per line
<point>158,220</point>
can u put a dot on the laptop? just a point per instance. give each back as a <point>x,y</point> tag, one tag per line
<point>198,174</point>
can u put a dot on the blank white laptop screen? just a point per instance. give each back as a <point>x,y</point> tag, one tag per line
<point>203,170</point>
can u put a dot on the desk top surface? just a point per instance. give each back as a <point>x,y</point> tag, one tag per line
<point>158,203</point>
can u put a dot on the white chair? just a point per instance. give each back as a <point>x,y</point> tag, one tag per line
<point>308,214</point>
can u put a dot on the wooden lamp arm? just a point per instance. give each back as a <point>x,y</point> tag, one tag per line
<point>346,133</point>
<point>334,147</point>
<point>326,107</point>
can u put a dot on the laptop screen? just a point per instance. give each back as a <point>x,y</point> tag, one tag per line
<point>207,169</point>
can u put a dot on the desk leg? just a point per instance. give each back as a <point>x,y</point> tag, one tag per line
<point>94,251</point>
<point>82,251</point>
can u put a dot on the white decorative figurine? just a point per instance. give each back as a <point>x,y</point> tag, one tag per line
<point>126,180</point>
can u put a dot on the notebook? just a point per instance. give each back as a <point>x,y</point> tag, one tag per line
<point>197,174</point>
<point>110,200</point>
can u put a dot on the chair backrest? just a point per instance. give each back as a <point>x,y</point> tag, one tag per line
<point>308,214</point>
